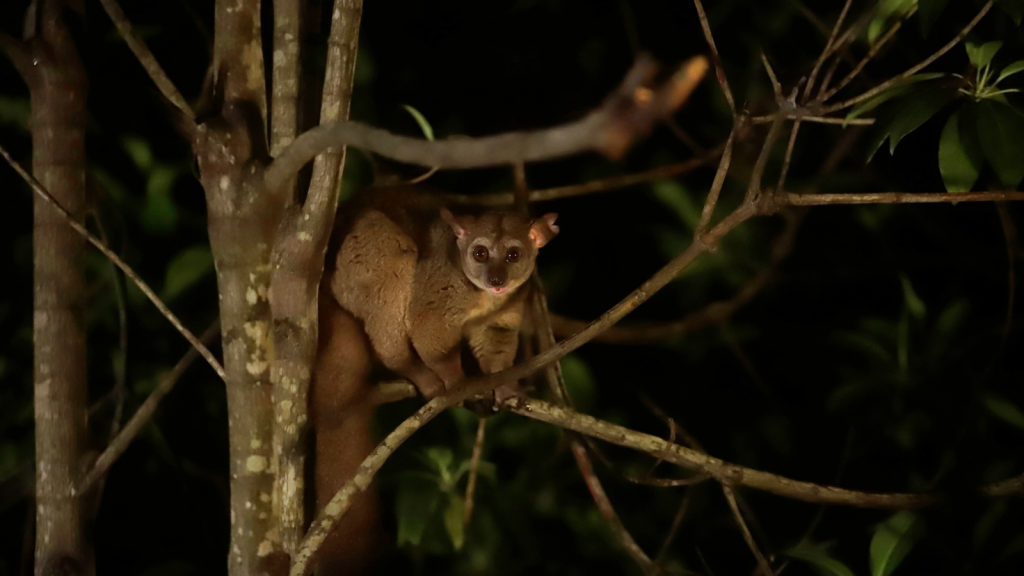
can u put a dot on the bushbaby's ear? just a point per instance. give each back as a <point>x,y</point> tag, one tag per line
<point>543,229</point>
<point>457,227</point>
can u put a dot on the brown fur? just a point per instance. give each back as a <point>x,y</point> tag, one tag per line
<point>404,279</point>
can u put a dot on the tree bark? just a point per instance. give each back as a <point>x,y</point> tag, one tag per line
<point>58,86</point>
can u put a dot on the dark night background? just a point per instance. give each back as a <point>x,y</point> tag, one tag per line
<point>877,360</point>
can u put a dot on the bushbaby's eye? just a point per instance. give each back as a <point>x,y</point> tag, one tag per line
<point>513,256</point>
<point>480,254</point>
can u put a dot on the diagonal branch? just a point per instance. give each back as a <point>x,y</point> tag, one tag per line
<point>715,56</point>
<point>913,69</point>
<point>44,195</point>
<point>144,413</point>
<point>762,562</point>
<point>629,113</point>
<point>146,58</point>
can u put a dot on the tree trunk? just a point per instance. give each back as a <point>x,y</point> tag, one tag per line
<point>58,87</point>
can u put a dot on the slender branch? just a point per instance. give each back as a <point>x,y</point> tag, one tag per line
<point>1010,236</point>
<point>146,58</point>
<point>781,185</point>
<point>44,195</point>
<point>714,314</point>
<point>913,69</point>
<point>19,54</point>
<point>474,469</point>
<point>600,185</point>
<point>715,56</point>
<point>730,497</point>
<point>754,186</point>
<point>804,115</point>
<point>629,113</point>
<point>556,385</point>
<point>142,416</point>
<point>718,182</point>
<point>876,46</point>
<point>674,528</point>
<point>776,87</point>
<point>793,199</point>
<point>826,50</point>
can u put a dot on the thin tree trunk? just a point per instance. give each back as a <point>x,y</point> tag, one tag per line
<point>298,264</point>
<point>231,150</point>
<point>58,87</point>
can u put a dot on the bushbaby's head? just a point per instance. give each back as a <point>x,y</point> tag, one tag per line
<point>498,251</point>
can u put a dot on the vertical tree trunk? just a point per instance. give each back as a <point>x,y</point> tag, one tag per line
<point>58,86</point>
<point>231,151</point>
<point>298,264</point>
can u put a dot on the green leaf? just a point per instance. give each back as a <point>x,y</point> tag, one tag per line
<point>441,456</point>
<point>892,541</point>
<point>139,151</point>
<point>425,127</point>
<point>579,382</point>
<point>958,163</point>
<point>820,561</point>
<point>907,115</point>
<point>1010,70</point>
<point>887,10</point>
<point>414,505</point>
<point>914,304</point>
<point>160,213</point>
<point>929,11</point>
<point>999,128</point>
<point>186,269</point>
<point>672,194</point>
<point>898,89</point>
<point>453,520</point>
<point>982,55</point>
<point>1015,8</point>
<point>1004,410</point>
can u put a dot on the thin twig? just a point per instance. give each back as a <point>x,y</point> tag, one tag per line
<point>776,87</point>
<point>716,58</point>
<point>754,186</point>
<point>803,115</point>
<point>913,69</point>
<point>474,469</point>
<point>599,185</point>
<point>789,155</point>
<point>730,497</point>
<point>629,113</point>
<point>120,443</point>
<point>716,185</point>
<point>556,386</point>
<point>674,528</point>
<point>809,87</point>
<point>146,58</point>
<point>793,199</point>
<point>876,46</point>
<point>43,194</point>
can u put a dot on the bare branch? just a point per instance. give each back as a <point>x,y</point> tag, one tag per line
<point>714,314</point>
<point>715,56</point>
<point>556,385</point>
<point>287,69</point>
<point>730,497</point>
<point>876,46</point>
<point>600,185</point>
<point>809,87</point>
<point>44,195</point>
<point>611,129</point>
<point>789,154</point>
<point>142,416</point>
<point>474,469</point>
<point>793,199</point>
<point>717,183</point>
<point>913,69</point>
<point>146,58</point>
<point>20,55</point>
<point>754,186</point>
<point>776,87</point>
<point>804,115</point>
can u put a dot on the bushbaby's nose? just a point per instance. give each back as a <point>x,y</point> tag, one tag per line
<point>497,276</point>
